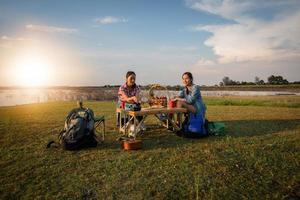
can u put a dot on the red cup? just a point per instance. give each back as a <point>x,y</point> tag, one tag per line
<point>172,104</point>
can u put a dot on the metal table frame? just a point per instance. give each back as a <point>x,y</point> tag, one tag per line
<point>132,118</point>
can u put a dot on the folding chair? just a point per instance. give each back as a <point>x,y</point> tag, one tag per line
<point>100,121</point>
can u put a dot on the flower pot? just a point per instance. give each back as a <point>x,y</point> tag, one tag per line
<point>131,144</point>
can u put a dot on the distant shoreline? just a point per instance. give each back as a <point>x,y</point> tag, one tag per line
<point>285,88</point>
<point>19,96</point>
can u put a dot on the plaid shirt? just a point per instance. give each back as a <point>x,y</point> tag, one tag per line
<point>129,92</point>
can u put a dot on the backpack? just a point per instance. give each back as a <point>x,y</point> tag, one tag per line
<point>78,131</point>
<point>194,126</point>
<point>216,128</point>
<point>132,107</point>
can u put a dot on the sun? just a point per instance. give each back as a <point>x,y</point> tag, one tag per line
<point>32,70</point>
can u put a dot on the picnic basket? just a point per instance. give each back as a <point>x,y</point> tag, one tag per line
<point>158,101</point>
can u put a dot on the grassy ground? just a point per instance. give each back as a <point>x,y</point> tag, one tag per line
<point>273,101</point>
<point>287,88</point>
<point>259,158</point>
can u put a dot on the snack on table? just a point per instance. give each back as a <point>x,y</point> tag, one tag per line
<point>155,101</point>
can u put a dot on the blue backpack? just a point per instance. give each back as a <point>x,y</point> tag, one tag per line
<point>194,126</point>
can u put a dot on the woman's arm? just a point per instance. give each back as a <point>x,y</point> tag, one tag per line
<point>125,98</point>
<point>190,99</point>
<point>179,99</point>
<point>180,96</point>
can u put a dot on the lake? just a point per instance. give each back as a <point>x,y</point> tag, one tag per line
<point>20,96</point>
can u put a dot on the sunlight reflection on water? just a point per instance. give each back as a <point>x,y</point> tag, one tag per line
<point>11,97</point>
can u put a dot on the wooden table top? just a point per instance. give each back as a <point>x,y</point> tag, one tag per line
<point>152,111</point>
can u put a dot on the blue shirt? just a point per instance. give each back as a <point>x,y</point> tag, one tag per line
<point>193,97</point>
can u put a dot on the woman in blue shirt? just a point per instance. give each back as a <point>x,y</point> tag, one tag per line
<point>190,96</point>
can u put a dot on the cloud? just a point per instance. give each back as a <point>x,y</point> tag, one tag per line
<point>4,37</point>
<point>205,69</point>
<point>251,38</point>
<point>9,42</point>
<point>7,38</point>
<point>227,9</point>
<point>237,9</point>
<point>110,20</point>
<point>204,62</point>
<point>50,29</point>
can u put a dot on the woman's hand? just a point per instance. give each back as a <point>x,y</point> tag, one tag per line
<point>179,99</point>
<point>132,99</point>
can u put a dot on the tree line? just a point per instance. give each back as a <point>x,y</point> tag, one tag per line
<point>226,81</point>
<point>271,80</point>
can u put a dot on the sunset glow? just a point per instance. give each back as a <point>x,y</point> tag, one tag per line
<point>98,45</point>
<point>31,70</point>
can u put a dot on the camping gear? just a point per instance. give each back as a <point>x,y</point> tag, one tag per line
<point>131,144</point>
<point>216,128</point>
<point>132,106</point>
<point>79,129</point>
<point>194,125</point>
<point>158,101</point>
<point>191,128</point>
<point>99,122</point>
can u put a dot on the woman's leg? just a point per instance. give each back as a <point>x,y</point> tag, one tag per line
<point>189,107</point>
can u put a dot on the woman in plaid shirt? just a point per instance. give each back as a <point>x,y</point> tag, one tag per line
<point>129,91</point>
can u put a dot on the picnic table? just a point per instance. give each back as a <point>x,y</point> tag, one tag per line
<point>173,117</point>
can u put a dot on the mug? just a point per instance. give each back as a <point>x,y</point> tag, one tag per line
<point>172,104</point>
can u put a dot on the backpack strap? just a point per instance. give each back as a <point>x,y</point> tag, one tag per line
<point>60,135</point>
<point>90,114</point>
<point>50,143</point>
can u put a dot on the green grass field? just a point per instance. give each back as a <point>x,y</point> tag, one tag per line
<point>259,158</point>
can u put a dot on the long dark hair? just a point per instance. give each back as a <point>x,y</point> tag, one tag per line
<point>190,75</point>
<point>129,73</point>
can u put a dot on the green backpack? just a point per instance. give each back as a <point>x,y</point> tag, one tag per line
<point>216,128</point>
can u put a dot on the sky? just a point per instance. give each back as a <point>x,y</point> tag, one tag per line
<point>93,43</point>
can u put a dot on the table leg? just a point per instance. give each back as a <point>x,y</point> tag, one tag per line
<point>174,124</point>
<point>135,127</point>
<point>163,123</point>
<point>138,124</point>
<point>170,117</point>
<point>168,122</point>
<point>180,120</point>
<point>125,124</point>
